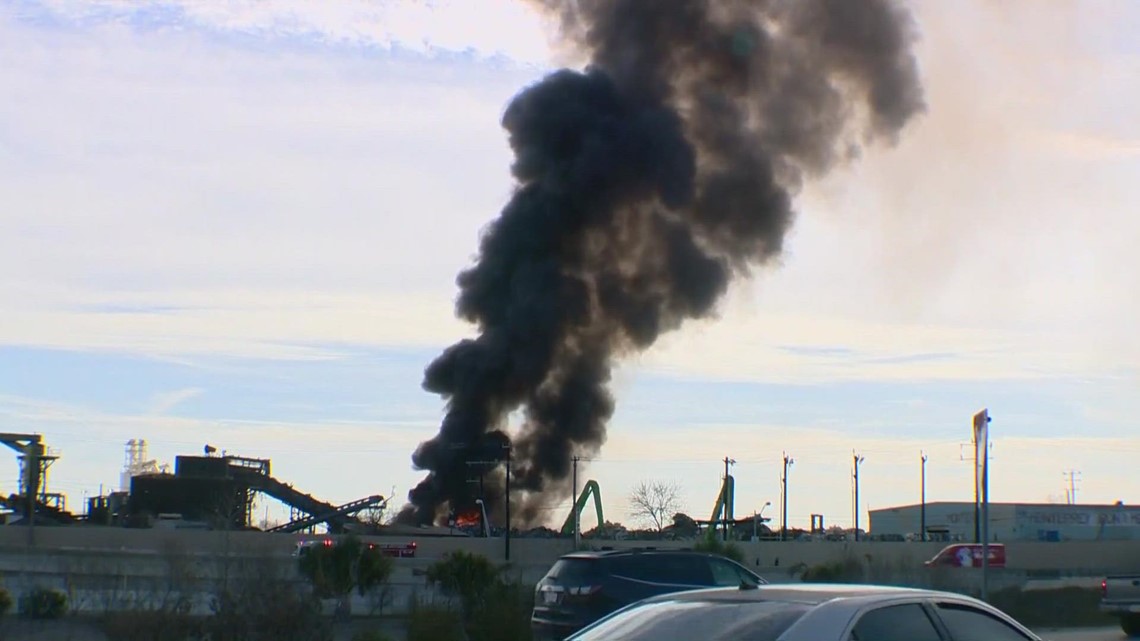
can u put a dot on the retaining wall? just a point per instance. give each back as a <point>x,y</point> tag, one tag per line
<point>113,568</point>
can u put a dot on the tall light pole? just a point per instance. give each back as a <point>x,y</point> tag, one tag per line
<point>982,453</point>
<point>856,461</point>
<point>922,512</point>
<point>788,461</point>
<point>574,507</point>
<point>728,491</point>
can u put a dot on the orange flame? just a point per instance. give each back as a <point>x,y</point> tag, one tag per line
<point>469,518</point>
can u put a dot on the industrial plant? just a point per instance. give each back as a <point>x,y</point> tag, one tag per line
<point>210,491</point>
<point>217,490</point>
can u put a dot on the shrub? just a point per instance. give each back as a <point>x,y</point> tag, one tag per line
<point>336,570</point>
<point>505,615</point>
<point>152,625</point>
<point>260,610</point>
<point>713,545</point>
<point>846,571</point>
<point>43,603</point>
<point>465,576</point>
<point>5,602</point>
<point>492,607</point>
<point>371,635</point>
<point>429,622</point>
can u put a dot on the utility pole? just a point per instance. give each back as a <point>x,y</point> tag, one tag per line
<point>727,493</point>
<point>1073,476</point>
<point>574,506</point>
<point>788,461</point>
<point>506,498</point>
<point>982,437</point>
<point>922,512</point>
<point>482,465</point>
<point>977,494</point>
<point>507,543</point>
<point>856,461</point>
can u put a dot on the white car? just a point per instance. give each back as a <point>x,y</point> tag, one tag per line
<point>808,612</point>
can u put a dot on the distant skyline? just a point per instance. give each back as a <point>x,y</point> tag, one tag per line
<point>240,224</point>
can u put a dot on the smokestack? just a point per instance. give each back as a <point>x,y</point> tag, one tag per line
<point>644,183</point>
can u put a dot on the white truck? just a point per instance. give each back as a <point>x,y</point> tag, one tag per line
<point>1120,596</point>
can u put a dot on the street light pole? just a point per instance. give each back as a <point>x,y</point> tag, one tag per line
<point>982,451</point>
<point>574,508</point>
<point>922,517</point>
<point>728,494</point>
<point>856,460</point>
<point>788,461</point>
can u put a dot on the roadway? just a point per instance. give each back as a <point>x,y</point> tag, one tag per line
<point>1099,634</point>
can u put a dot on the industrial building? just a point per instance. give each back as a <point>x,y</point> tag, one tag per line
<point>954,521</point>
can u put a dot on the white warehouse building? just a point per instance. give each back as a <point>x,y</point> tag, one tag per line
<point>1011,522</point>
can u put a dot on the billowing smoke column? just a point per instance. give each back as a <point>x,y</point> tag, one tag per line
<point>644,183</point>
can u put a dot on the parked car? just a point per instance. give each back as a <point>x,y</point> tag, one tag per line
<point>582,587</point>
<point>1120,597</point>
<point>808,612</point>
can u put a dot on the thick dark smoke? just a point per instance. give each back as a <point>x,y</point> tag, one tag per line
<point>644,184</point>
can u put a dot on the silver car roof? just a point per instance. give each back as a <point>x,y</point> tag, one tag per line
<point>811,593</point>
<point>839,605</point>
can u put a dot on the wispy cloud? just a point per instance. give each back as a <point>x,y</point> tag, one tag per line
<point>1090,146</point>
<point>385,24</point>
<point>164,402</point>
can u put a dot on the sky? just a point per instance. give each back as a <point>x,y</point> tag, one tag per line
<point>239,223</point>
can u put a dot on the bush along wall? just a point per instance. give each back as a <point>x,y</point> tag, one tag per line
<point>43,603</point>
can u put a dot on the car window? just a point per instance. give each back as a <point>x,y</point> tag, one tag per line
<point>630,567</point>
<point>572,571</point>
<point>727,574</point>
<point>971,624</point>
<point>679,569</point>
<point>896,623</point>
<point>674,569</point>
<point>690,619</point>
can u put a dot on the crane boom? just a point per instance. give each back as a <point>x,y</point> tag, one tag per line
<point>591,489</point>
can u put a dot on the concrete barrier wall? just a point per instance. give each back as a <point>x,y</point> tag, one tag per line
<point>102,568</point>
<point>1072,556</point>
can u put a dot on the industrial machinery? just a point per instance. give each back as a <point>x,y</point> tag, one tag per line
<point>33,501</point>
<point>301,523</point>
<point>591,489</point>
<point>723,509</point>
<point>723,515</point>
<point>219,491</point>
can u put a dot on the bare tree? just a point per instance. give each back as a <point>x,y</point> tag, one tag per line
<point>655,503</point>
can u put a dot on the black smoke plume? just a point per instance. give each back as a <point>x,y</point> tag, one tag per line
<point>644,184</point>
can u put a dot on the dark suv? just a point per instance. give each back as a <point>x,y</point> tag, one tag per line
<point>582,587</point>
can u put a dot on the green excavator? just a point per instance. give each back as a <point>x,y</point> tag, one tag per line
<point>590,490</point>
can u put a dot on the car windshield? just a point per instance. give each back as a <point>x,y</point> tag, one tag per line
<point>685,620</point>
